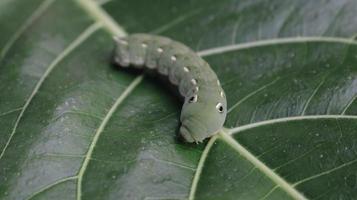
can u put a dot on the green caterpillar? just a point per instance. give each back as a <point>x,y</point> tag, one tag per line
<point>205,105</point>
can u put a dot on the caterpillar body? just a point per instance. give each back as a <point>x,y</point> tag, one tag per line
<point>205,106</point>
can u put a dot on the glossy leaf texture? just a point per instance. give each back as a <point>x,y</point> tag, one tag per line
<point>73,126</point>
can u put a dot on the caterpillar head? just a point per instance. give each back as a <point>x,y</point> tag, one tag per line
<point>202,119</point>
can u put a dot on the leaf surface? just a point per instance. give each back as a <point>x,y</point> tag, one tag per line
<point>76,127</point>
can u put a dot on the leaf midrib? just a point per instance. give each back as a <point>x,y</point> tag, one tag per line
<point>280,182</point>
<point>112,27</point>
<point>102,17</point>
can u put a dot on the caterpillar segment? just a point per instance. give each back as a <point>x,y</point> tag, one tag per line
<point>205,105</point>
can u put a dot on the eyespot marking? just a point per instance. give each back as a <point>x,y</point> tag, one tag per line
<point>219,107</point>
<point>160,50</point>
<point>186,69</point>
<point>194,81</point>
<point>173,58</point>
<point>193,99</point>
<point>144,45</point>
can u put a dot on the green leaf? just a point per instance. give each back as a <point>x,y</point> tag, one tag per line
<point>75,127</point>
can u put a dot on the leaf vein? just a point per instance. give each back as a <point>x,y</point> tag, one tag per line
<point>102,17</point>
<point>252,94</point>
<point>82,37</point>
<point>175,21</point>
<point>348,105</point>
<point>286,119</point>
<point>51,186</point>
<point>36,14</point>
<point>200,166</point>
<point>259,43</point>
<point>10,111</point>
<point>100,130</point>
<point>280,182</point>
<point>325,172</point>
<point>312,95</point>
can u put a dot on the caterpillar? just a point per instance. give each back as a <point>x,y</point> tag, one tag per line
<point>205,106</point>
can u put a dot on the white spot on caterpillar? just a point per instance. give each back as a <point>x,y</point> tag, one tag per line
<point>218,83</point>
<point>144,45</point>
<point>160,50</point>
<point>222,94</point>
<point>173,58</point>
<point>193,81</point>
<point>186,69</point>
<point>196,89</point>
